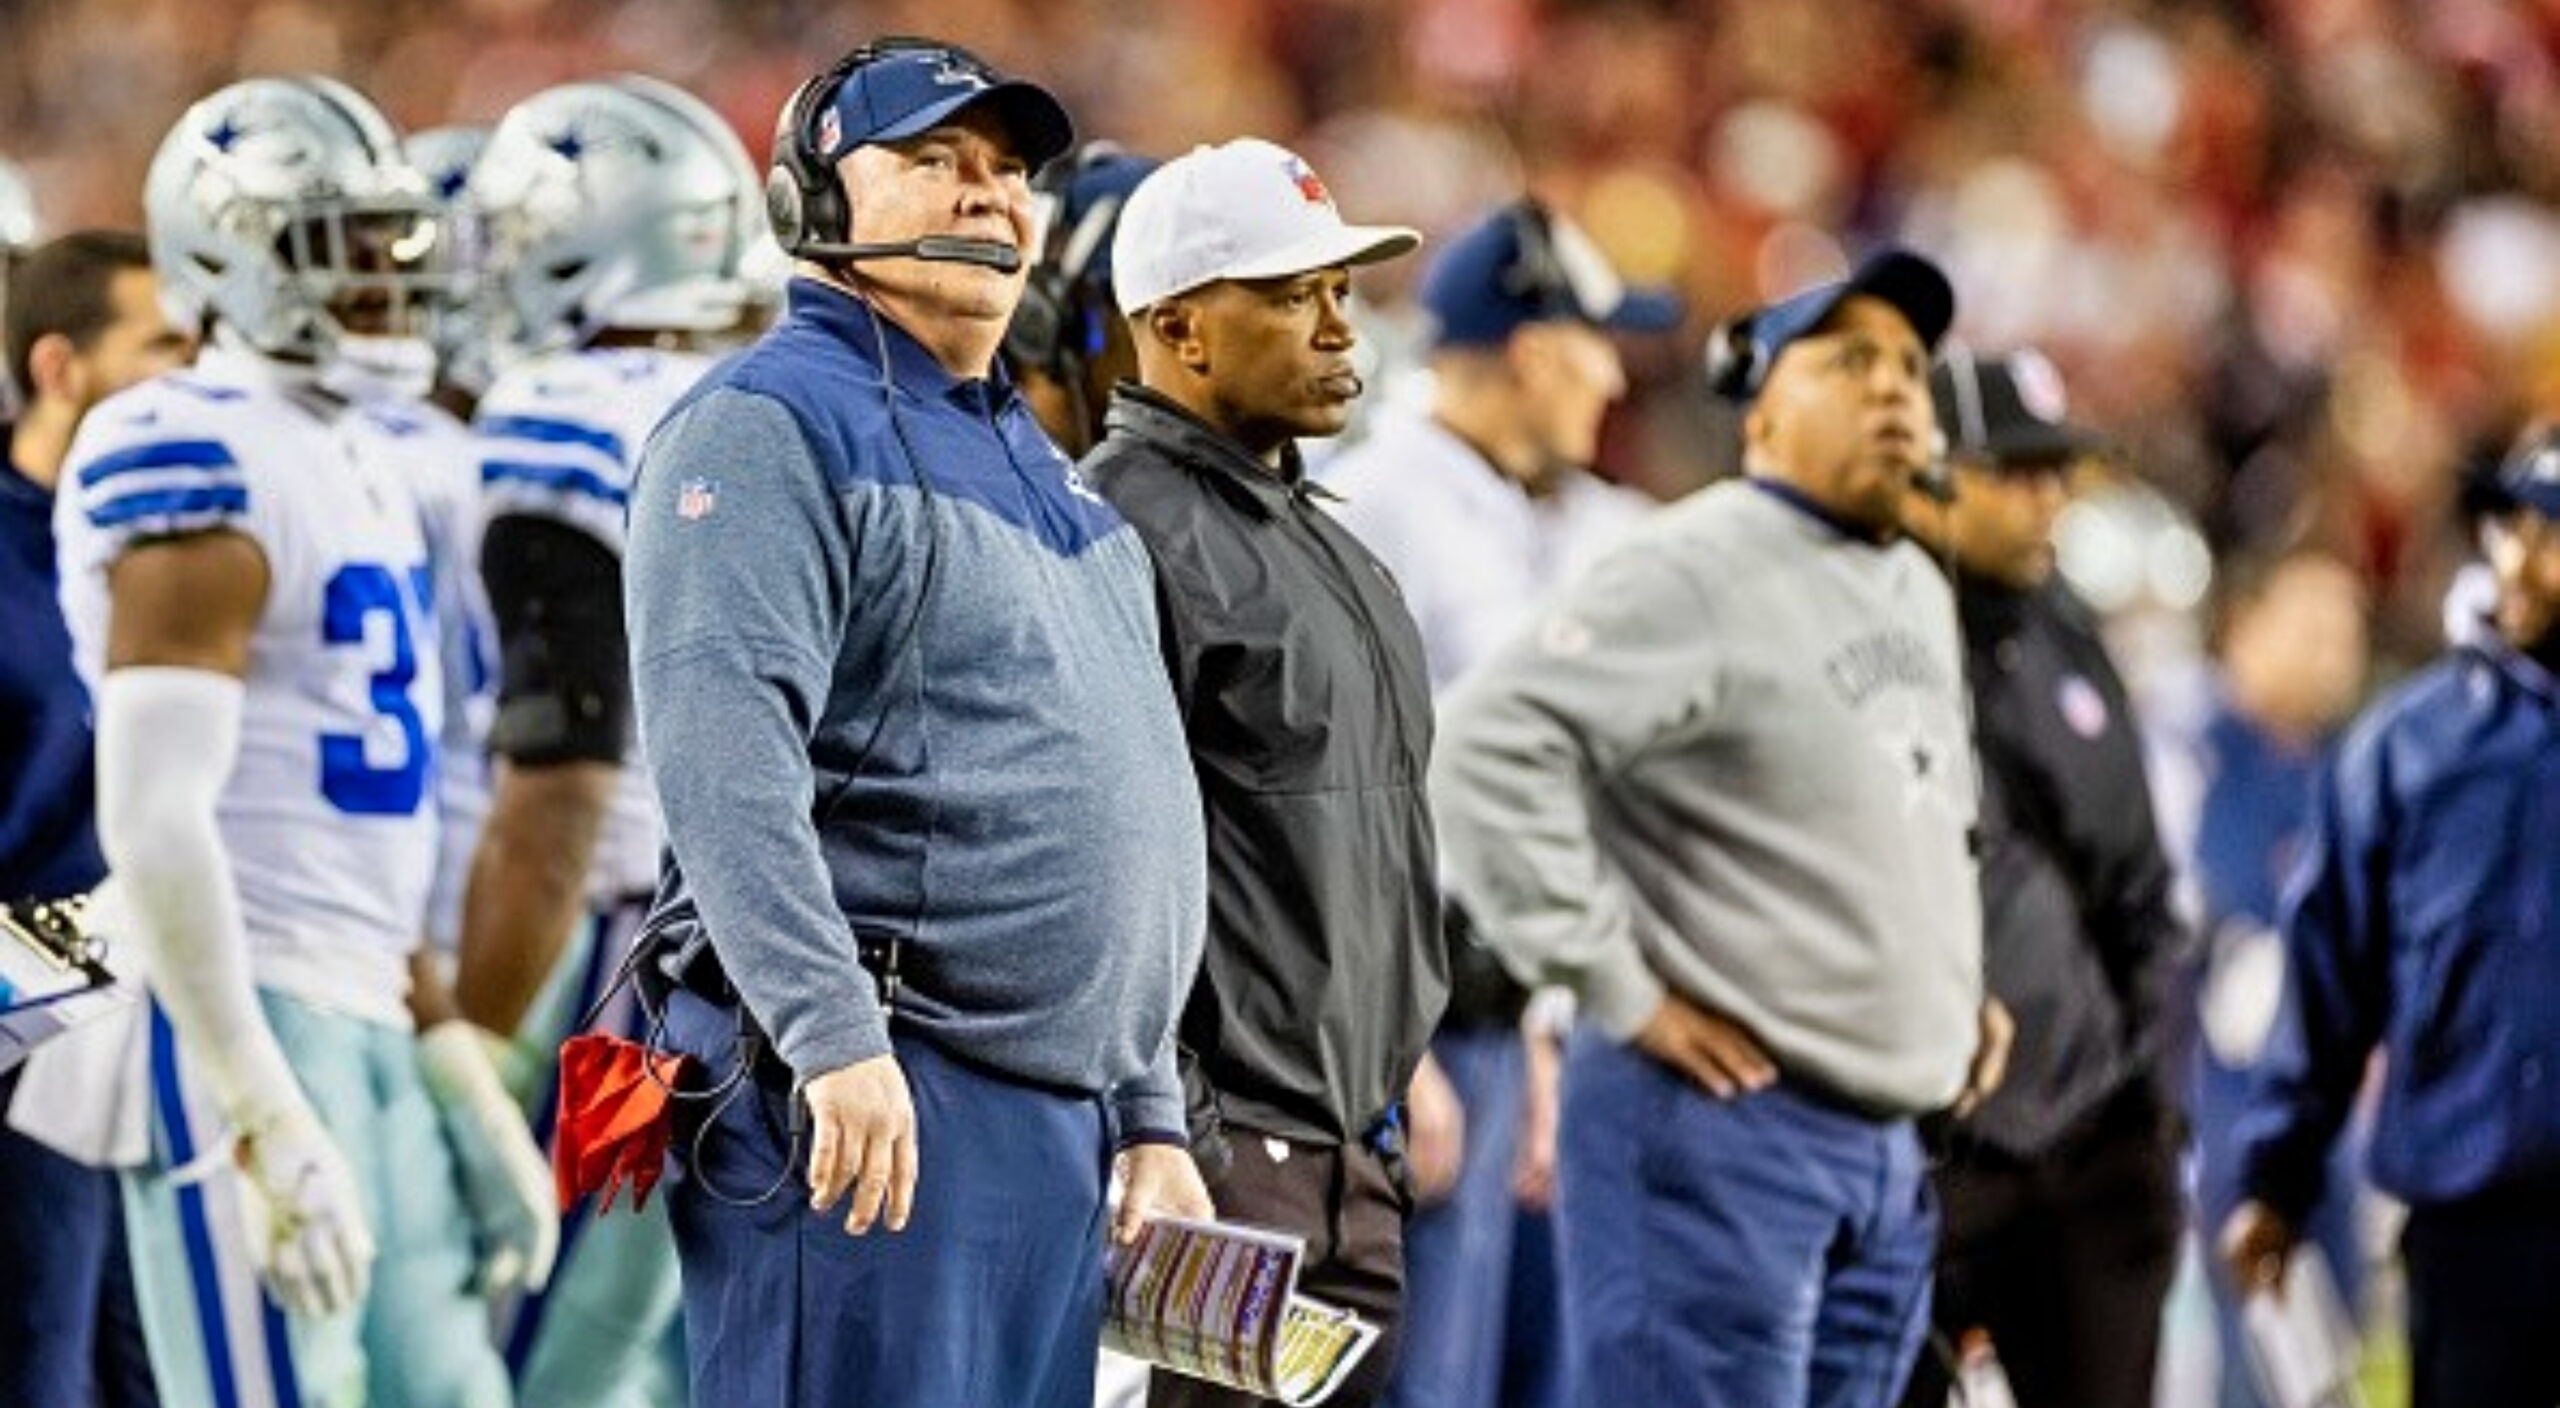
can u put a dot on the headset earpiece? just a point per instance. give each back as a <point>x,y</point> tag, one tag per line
<point>803,200</point>
<point>1537,272</point>
<point>784,210</point>
<point>1733,360</point>
<point>1053,328</point>
<point>1037,336</point>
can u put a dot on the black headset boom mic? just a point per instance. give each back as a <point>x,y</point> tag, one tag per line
<point>937,249</point>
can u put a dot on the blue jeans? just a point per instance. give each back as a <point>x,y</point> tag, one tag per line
<point>69,1333</point>
<point>1460,1302</point>
<point>992,1294</point>
<point>1772,1251</point>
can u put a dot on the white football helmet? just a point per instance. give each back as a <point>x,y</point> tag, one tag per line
<point>620,203</point>
<point>282,213</point>
<point>466,347</point>
<point>445,156</point>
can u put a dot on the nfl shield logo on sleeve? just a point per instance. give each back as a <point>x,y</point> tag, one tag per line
<point>695,498</point>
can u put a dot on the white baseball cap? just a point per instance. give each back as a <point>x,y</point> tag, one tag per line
<point>1246,209</point>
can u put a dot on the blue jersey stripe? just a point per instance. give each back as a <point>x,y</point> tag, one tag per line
<point>193,1226</point>
<point>563,478</point>
<point>286,1382</point>
<point>158,454</point>
<point>218,499</point>
<point>548,430</point>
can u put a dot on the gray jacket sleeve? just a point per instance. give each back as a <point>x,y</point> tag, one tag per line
<point>1621,665</point>
<point>736,579</point>
<point>1151,1103</point>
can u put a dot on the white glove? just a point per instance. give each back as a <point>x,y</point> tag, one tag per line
<point>166,738</point>
<point>306,1220</point>
<point>506,1182</point>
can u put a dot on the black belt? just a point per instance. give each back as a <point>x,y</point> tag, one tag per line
<point>1483,996</point>
<point>692,965</point>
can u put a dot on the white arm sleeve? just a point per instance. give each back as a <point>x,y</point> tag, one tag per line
<point>167,738</point>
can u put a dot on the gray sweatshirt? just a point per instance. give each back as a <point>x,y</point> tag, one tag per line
<point>1733,763</point>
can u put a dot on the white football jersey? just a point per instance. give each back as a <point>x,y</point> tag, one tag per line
<point>329,815</point>
<point>438,456</point>
<point>560,436</point>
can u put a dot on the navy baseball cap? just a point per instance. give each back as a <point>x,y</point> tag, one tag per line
<point>1524,264</point>
<point>1738,360</point>
<point>2008,410</point>
<point>1099,185</point>
<point>907,92</point>
<point>2530,478</point>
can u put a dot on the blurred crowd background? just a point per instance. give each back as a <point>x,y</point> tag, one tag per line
<point>2302,256</point>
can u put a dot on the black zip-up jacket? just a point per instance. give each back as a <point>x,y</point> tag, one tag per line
<point>1300,678</point>
<point>2078,933</point>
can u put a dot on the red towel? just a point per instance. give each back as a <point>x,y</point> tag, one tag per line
<point>616,1115</point>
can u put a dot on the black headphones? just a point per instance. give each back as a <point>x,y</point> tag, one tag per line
<point>1732,360</point>
<point>1537,271</point>
<point>803,197</point>
<point>1056,326</point>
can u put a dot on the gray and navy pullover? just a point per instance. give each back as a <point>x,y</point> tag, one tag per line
<point>897,673</point>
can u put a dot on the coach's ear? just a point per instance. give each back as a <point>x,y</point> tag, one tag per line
<point>54,370</point>
<point>1174,324</point>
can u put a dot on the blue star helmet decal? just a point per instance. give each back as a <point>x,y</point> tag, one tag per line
<point>570,144</point>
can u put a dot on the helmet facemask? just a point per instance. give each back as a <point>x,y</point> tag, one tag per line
<point>284,219</point>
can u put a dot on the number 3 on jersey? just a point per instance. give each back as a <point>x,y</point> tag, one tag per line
<point>357,593</point>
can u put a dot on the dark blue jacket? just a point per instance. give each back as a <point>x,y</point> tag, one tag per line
<point>2250,829</point>
<point>48,847</point>
<point>2423,918</point>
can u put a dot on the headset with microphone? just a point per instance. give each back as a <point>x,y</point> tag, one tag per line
<point>805,199</point>
<point>1732,359</point>
<point>1735,363</point>
<point>1058,327</point>
<point>1537,273</point>
<point>1964,377</point>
